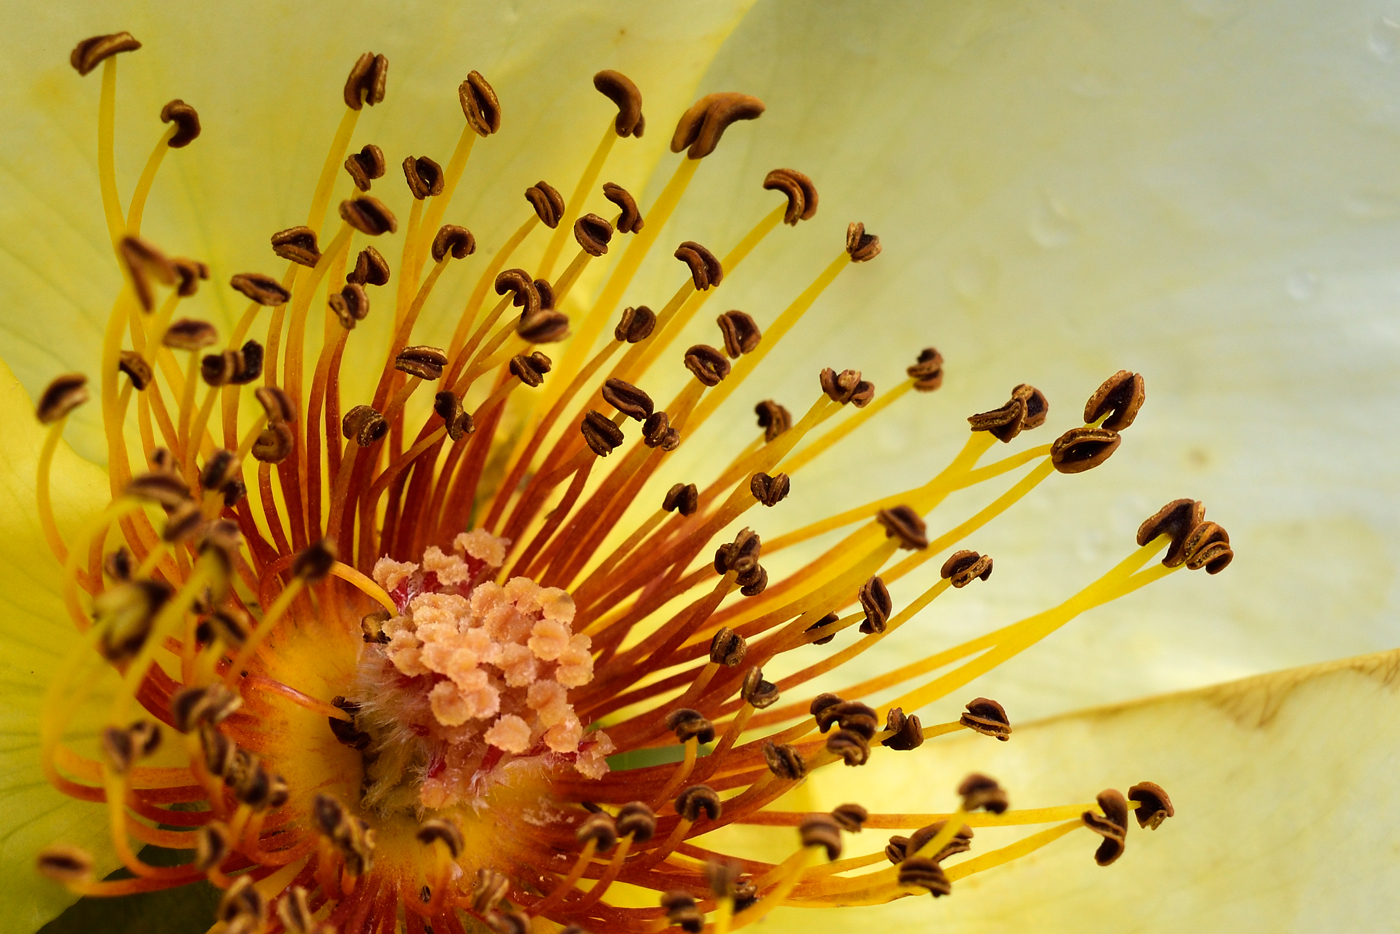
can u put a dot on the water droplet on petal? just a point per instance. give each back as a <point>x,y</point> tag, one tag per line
<point>1301,285</point>
<point>1050,224</point>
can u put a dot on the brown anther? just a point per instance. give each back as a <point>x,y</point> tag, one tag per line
<point>118,749</point>
<point>371,268</point>
<point>875,601</point>
<point>619,89</point>
<point>638,820</point>
<point>823,831</point>
<point>424,176</point>
<point>274,444</point>
<point>1026,409</point>
<point>636,324</point>
<point>1122,394</point>
<point>64,864</point>
<point>490,887</point>
<point>690,724</point>
<point>846,386</point>
<point>509,922</point>
<point>1153,805</point>
<point>682,911</point>
<point>188,274</point>
<point>366,82</point>
<point>162,461</point>
<point>600,433</point>
<point>1176,519</point>
<point>220,468</point>
<point>294,911</point>
<point>708,364</point>
<point>64,394</point>
<point>821,702</point>
<point>229,625</point>
<point>262,289</point>
<point>704,123</point>
<point>189,334</point>
<point>276,403</point>
<point>1112,825</point>
<point>801,193</point>
<point>964,567</point>
<point>770,491</point>
<point>543,327</point>
<point>773,418</point>
<point>630,220</point>
<point>926,874</point>
<point>721,876</point>
<point>742,555</point>
<point>530,369</point>
<point>627,399</point>
<point>927,373</point>
<point>850,817</point>
<point>366,165</point>
<point>372,626</point>
<point>144,263</point>
<point>219,369</point>
<point>441,831</point>
<point>546,293</point>
<point>820,624</point>
<point>455,240</point>
<point>904,523</point>
<point>697,798</point>
<point>599,828</point>
<point>297,244</point>
<point>861,246</point>
<point>251,356</point>
<point>119,564</point>
<point>364,424</point>
<point>752,583</point>
<point>479,104</point>
<point>350,305</point>
<point>184,521</point>
<point>525,295</point>
<point>165,489</point>
<point>368,215</point>
<point>421,361</point>
<point>728,648</point>
<point>853,748</point>
<point>593,234</point>
<point>223,538</point>
<point>254,787</point>
<point>195,707</point>
<point>448,407</point>
<point>756,692</point>
<point>241,900</point>
<point>658,433</point>
<point>186,120</point>
<point>1081,449</point>
<point>1208,546</point>
<point>740,332</point>
<point>705,269</point>
<point>313,563</point>
<point>784,761</point>
<point>920,838</point>
<point>547,202</point>
<point>212,844</point>
<point>347,734</point>
<point>90,53</point>
<point>854,716</point>
<point>987,717</point>
<point>683,498</point>
<point>981,792</point>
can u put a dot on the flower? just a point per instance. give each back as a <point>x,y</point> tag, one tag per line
<point>973,276</point>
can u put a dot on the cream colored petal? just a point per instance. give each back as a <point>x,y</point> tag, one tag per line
<point>1284,792</point>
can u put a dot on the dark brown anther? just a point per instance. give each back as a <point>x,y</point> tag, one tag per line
<point>987,717</point>
<point>530,369</point>
<point>593,234</point>
<point>118,749</point>
<point>1112,825</point>
<point>850,817</point>
<point>822,623</point>
<point>756,692</point>
<point>964,567</point>
<point>479,104</point>
<point>297,244</point>
<point>907,732</point>
<point>220,468</point>
<point>64,864</point>
<point>619,89</point>
<point>64,394</point>
<point>721,876</point>
<point>262,289</point>
<point>770,491</point>
<point>875,601</point>
<point>90,53</point>
<point>144,263</point>
<point>119,564</point>
<point>627,399</point>
<point>1153,805</point>
<point>491,886</point>
<point>801,193</point>
<point>424,177</point>
<point>188,274</point>
<point>927,373</point>
<point>861,246</point>
<point>682,912</point>
<point>230,626</point>
<point>1121,394</point>
<point>740,332</point>
<point>920,838</point>
<point>1176,519</point>
<point>1026,409</point>
<point>189,334</point>
<point>658,433</point>
<point>186,120</point>
<point>207,706</point>
<point>784,761</point>
<point>543,327</point>
<point>252,358</point>
<point>697,798</point>
<point>822,830</point>
<point>630,220</point>
<point>708,364</point>
<point>705,269</point>
<point>742,555</point>
<point>728,648</point>
<point>546,293</point>
<point>441,831</point>
<point>704,123</point>
<point>222,539</point>
<point>1081,449</point>
<point>365,425</point>
<point>904,523</point>
<point>754,582</point>
<point>853,748</point>
<point>448,406</point>
<point>547,202</point>
<point>926,874</point>
<point>509,922</point>
<point>371,268</point>
<point>165,489</point>
<point>276,403</point>
<point>241,906</point>
<point>183,522</point>
<point>212,844</point>
<point>350,305</point>
<point>253,787</point>
<point>294,911</point>
<point>853,716</point>
<point>455,240</point>
<point>368,215</point>
<point>274,444</point>
<point>821,702</point>
<point>219,369</point>
<point>525,295</point>
<point>773,418</point>
<point>846,386</point>
<point>981,792</point>
<point>1208,546</point>
<point>636,324</point>
<point>421,361</point>
<point>366,82</point>
<point>372,627</point>
<point>366,165</point>
<point>690,724</point>
<point>162,461</point>
<point>638,820</point>
<point>314,563</point>
<point>599,828</point>
<point>600,433</point>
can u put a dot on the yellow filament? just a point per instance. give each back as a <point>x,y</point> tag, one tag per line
<point>408,268</point>
<point>682,772</point>
<point>450,177</point>
<point>724,914</point>
<point>839,432</point>
<point>575,203</point>
<point>365,585</point>
<point>166,623</point>
<point>786,875</point>
<point>488,278</point>
<point>334,157</point>
<point>269,622</point>
<point>148,177</point>
<point>41,491</point>
<point>106,163</point>
<point>567,884</point>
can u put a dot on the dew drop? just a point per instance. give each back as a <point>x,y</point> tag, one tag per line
<point>1301,285</point>
<point>1050,224</point>
<point>1384,39</point>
